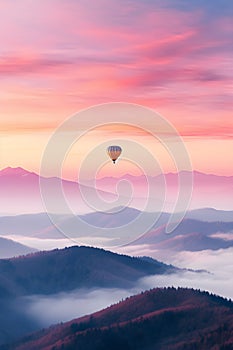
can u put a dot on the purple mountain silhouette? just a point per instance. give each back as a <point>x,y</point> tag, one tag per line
<point>208,190</point>
<point>20,192</point>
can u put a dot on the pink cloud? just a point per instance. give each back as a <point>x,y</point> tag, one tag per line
<point>70,56</point>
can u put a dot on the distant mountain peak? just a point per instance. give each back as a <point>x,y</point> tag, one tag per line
<point>21,171</point>
<point>9,171</point>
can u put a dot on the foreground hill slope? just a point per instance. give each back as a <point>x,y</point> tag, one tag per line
<point>63,270</point>
<point>156,319</point>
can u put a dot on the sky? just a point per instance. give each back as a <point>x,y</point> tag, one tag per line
<point>58,57</point>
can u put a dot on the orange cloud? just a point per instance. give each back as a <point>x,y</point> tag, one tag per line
<point>59,57</point>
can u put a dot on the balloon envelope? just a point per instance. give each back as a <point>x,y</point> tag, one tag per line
<point>114,152</point>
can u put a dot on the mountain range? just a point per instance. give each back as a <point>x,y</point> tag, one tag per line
<point>200,229</point>
<point>163,319</point>
<point>190,235</point>
<point>21,192</point>
<point>17,184</point>
<point>209,190</point>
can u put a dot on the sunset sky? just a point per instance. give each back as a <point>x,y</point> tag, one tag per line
<point>60,56</point>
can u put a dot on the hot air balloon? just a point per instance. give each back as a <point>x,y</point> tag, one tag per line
<point>114,152</point>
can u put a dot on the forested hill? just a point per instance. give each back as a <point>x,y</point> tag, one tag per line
<point>162,319</point>
<point>66,269</point>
